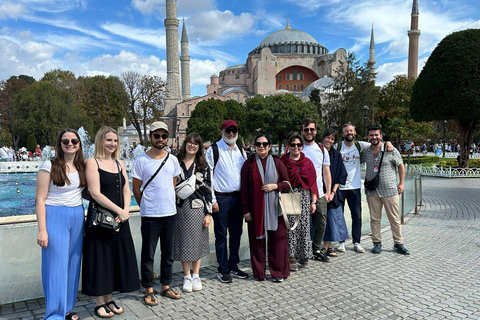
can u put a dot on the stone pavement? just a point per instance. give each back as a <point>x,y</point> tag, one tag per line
<point>439,280</point>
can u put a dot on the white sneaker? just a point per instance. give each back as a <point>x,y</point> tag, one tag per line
<point>187,284</point>
<point>197,284</point>
<point>358,248</point>
<point>341,247</point>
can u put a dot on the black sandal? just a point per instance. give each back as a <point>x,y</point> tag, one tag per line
<point>107,310</point>
<point>70,315</point>
<point>331,252</point>
<point>153,299</point>
<point>121,310</point>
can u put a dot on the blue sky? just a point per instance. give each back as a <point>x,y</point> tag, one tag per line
<point>91,37</point>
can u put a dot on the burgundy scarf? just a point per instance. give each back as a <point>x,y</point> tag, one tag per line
<point>301,173</point>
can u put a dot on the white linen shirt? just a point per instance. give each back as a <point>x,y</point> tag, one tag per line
<point>226,175</point>
<point>69,195</point>
<point>319,159</point>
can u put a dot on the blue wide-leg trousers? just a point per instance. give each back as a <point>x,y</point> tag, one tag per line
<point>61,259</point>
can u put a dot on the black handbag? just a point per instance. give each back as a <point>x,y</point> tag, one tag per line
<point>372,185</point>
<point>104,218</point>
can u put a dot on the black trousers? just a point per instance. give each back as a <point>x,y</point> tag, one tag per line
<point>152,229</point>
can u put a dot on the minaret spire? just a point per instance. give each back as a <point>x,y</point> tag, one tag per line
<point>173,72</point>
<point>413,35</point>
<point>185,64</point>
<point>371,60</point>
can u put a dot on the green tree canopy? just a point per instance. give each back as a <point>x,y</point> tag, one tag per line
<point>448,88</point>
<point>208,116</point>
<point>278,115</point>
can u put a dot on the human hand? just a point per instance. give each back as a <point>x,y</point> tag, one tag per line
<point>248,217</point>
<point>389,146</point>
<point>313,207</point>
<point>123,216</point>
<point>400,188</point>
<point>42,239</point>
<point>215,208</point>
<point>269,187</point>
<point>206,221</point>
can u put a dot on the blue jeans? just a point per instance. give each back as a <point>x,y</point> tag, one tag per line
<point>354,199</point>
<point>228,217</point>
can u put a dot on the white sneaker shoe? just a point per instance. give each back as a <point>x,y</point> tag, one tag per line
<point>187,284</point>
<point>197,284</point>
<point>341,247</point>
<point>358,248</point>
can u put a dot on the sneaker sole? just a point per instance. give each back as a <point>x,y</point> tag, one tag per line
<point>224,281</point>
<point>197,289</point>
<point>340,250</point>
<point>239,277</point>
<point>187,290</point>
<point>359,251</point>
<point>403,253</point>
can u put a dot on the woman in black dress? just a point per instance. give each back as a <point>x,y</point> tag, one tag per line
<point>109,260</point>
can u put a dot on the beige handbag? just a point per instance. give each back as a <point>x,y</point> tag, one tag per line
<point>290,205</point>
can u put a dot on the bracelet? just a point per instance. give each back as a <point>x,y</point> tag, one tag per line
<point>313,202</point>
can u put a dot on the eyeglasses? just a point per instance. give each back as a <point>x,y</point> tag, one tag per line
<point>158,136</point>
<point>67,141</point>
<point>298,145</point>
<point>264,144</point>
<point>307,130</point>
<point>231,130</point>
<point>193,144</point>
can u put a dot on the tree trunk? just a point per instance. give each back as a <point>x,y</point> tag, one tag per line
<point>467,127</point>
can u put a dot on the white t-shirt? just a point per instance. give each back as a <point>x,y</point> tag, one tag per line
<point>351,160</point>
<point>158,198</point>
<point>69,195</point>
<point>319,159</point>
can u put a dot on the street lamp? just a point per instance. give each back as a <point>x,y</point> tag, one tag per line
<point>444,140</point>
<point>178,134</point>
<point>365,110</point>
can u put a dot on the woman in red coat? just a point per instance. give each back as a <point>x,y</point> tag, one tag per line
<point>262,179</point>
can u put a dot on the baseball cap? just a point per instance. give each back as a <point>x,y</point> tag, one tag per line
<point>229,123</point>
<point>158,125</point>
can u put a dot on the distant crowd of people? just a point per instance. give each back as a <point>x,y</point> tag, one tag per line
<point>180,196</point>
<point>8,154</point>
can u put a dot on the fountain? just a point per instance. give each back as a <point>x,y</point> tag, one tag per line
<point>46,153</point>
<point>139,150</point>
<point>88,147</point>
<point>125,149</point>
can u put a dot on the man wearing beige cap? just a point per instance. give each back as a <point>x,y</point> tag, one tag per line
<point>226,159</point>
<point>154,176</point>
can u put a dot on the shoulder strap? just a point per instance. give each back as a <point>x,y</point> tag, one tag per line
<point>358,146</point>
<point>156,172</point>
<point>98,166</point>
<point>120,176</point>
<point>339,145</point>
<point>321,147</point>
<point>216,155</point>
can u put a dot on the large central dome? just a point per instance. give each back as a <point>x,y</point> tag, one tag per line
<point>287,36</point>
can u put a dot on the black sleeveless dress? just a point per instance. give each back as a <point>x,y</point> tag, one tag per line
<point>109,259</point>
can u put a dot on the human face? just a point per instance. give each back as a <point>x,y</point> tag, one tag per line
<point>309,132</point>
<point>260,147</point>
<point>162,138</point>
<point>295,149</point>
<point>349,133</point>
<point>374,137</point>
<point>328,141</point>
<point>110,142</point>
<point>70,148</point>
<point>192,147</point>
<point>230,135</point>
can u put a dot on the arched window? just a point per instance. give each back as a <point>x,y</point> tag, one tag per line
<point>301,87</point>
<point>279,87</point>
<point>294,74</point>
<point>294,87</point>
<point>301,75</point>
<point>287,87</point>
<point>236,97</point>
<point>279,77</point>
<point>288,76</point>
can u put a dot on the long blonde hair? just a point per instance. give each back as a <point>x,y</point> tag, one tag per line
<point>100,138</point>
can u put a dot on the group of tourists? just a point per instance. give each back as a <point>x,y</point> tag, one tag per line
<point>179,196</point>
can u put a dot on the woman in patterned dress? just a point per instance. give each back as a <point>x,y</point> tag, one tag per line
<point>303,179</point>
<point>193,213</point>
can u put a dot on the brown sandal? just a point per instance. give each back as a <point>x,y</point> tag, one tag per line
<point>170,293</point>
<point>331,252</point>
<point>153,299</point>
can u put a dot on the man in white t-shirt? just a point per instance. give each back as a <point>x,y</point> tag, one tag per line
<point>350,192</point>
<point>321,162</point>
<point>155,172</point>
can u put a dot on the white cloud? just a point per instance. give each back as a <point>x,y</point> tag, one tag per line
<point>201,70</point>
<point>155,38</point>
<point>12,10</point>
<point>148,7</point>
<point>185,8</point>
<point>54,6</point>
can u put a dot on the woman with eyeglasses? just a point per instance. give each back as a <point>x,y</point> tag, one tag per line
<point>59,210</point>
<point>194,209</point>
<point>109,259</point>
<point>303,178</point>
<point>262,177</point>
<point>336,229</point>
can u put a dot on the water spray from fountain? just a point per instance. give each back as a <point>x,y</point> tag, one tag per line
<point>88,147</point>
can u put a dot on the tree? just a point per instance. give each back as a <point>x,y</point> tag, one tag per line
<point>28,79</point>
<point>208,116</point>
<point>43,110</point>
<point>31,143</point>
<point>61,79</point>
<point>278,115</point>
<point>103,98</point>
<point>448,88</point>
<point>146,96</point>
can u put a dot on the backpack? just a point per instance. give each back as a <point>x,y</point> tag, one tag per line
<point>216,154</point>
<point>339,146</point>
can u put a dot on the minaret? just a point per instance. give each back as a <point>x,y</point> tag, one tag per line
<point>173,73</point>
<point>413,35</point>
<point>185,64</point>
<point>371,60</point>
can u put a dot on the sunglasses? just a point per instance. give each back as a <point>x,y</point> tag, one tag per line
<point>67,141</point>
<point>264,144</point>
<point>158,136</point>
<point>307,130</point>
<point>193,144</point>
<point>298,145</point>
<point>231,130</point>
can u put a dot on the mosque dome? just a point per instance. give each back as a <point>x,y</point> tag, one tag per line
<point>290,41</point>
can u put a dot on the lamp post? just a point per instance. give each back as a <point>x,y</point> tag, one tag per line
<point>365,110</point>
<point>444,136</point>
